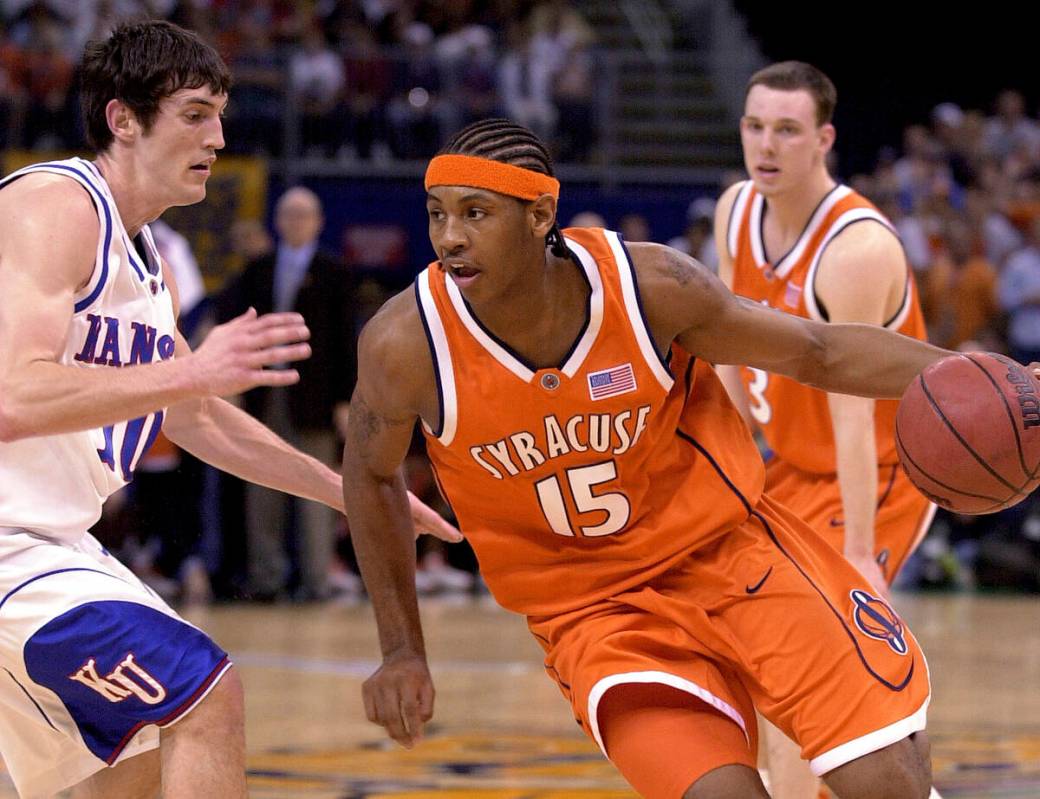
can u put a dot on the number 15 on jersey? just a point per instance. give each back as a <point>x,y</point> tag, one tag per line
<point>579,483</point>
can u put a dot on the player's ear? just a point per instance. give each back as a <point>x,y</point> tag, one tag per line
<point>542,213</point>
<point>827,136</point>
<point>121,120</point>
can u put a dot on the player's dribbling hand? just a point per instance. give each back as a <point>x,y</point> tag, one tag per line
<point>869,568</point>
<point>233,356</point>
<point>427,520</point>
<point>399,698</point>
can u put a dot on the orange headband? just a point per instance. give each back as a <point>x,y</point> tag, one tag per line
<point>482,173</point>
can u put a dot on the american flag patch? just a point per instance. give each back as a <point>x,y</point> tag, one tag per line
<point>611,382</point>
<point>792,294</point>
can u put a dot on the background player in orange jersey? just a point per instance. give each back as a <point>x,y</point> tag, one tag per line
<point>793,238</point>
<point>614,496</point>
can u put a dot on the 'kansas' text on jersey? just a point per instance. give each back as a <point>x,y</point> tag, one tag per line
<point>574,483</point>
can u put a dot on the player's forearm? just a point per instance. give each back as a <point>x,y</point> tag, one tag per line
<point>46,398</point>
<point>384,543</point>
<point>866,361</point>
<point>217,432</point>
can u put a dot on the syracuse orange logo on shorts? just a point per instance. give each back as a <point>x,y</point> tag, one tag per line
<point>877,620</point>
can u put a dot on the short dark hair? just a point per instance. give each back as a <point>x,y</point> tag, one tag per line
<point>141,64</point>
<point>791,76</point>
<point>505,141</point>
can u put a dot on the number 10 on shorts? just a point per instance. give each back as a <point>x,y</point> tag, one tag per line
<point>580,482</point>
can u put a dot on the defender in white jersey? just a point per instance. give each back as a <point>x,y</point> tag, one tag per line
<point>95,670</point>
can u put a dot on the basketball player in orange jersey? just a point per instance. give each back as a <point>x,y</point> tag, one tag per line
<point>792,238</point>
<point>614,495</point>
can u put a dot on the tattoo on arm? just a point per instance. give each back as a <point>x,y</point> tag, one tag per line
<point>678,269</point>
<point>368,423</point>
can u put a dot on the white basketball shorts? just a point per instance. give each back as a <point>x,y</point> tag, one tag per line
<point>92,662</point>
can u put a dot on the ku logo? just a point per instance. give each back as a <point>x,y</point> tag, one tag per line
<point>877,620</point>
<point>126,679</point>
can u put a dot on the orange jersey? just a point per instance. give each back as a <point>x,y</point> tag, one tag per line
<point>795,418</point>
<point>577,482</point>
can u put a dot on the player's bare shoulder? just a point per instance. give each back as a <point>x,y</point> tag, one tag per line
<point>862,273</point>
<point>45,216</point>
<point>678,291</point>
<point>395,355</point>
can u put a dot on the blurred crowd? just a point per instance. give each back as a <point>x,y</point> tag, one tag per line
<point>389,79</point>
<point>964,194</point>
<point>355,79</point>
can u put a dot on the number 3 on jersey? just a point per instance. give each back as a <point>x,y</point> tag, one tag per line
<point>759,406</point>
<point>581,481</point>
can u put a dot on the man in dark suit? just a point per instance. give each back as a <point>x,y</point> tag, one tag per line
<point>297,276</point>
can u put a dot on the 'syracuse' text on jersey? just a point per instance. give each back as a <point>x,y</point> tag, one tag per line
<point>795,418</point>
<point>54,485</point>
<point>577,482</point>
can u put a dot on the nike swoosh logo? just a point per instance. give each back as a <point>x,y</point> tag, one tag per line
<point>837,521</point>
<point>753,589</point>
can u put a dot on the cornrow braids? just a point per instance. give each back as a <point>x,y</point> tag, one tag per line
<point>509,143</point>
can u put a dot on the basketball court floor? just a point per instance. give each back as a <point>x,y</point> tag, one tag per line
<point>502,731</point>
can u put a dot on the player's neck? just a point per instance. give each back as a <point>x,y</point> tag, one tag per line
<point>541,314</point>
<point>136,204</point>
<point>789,211</point>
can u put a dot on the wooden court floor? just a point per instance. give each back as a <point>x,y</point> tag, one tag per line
<point>502,731</point>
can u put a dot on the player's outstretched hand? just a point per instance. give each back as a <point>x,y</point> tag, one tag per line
<point>427,520</point>
<point>233,356</point>
<point>399,698</point>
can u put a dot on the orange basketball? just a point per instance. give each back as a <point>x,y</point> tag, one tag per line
<point>968,432</point>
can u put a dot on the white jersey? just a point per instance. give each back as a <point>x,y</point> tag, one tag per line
<point>54,485</point>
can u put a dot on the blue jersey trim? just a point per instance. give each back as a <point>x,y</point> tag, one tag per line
<point>31,580</point>
<point>101,202</point>
<point>30,698</point>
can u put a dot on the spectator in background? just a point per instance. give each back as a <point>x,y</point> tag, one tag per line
<point>1010,129</point>
<point>416,111</point>
<point>255,118</point>
<point>12,96</point>
<point>250,240</point>
<point>369,77</point>
<point>42,73</point>
<point>951,135</point>
<point>316,78</point>
<point>959,292</point>
<point>1020,297</point>
<point>634,227</point>
<point>469,62</point>
<point>698,239</point>
<point>587,219</point>
<point>298,277</point>
<point>525,83</point>
<point>574,93</point>
<point>999,237</point>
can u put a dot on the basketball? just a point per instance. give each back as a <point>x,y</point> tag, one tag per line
<point>968,432</point>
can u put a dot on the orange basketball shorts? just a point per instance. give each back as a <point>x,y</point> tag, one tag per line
<point>769,616</point>
<point>903,513</point>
